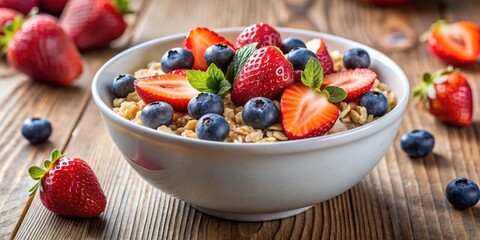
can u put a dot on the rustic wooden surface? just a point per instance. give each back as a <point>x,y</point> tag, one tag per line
<point>400,199</point>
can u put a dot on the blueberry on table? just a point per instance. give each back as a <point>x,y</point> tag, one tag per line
<point>177,58</point>
<point>417,143</point>
<point>123,84</point>
<point>291,43</point>
<point>156,114</point>
<point>260,113</point>
<point>205,103</point>
<point>212,127</point>
<point>299,57</point>
<point>356,58</point>
<point>219,54</point>
<point>462,193</point>
<point>375,102</point>
<point>36,130</point>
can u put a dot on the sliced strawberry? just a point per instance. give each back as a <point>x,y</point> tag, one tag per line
<point>261,33</point>
<point>355,82</point>
<point>456,43</point>
<point>198,40</point>
<point>318,46</point>
<point>306,113</point>
<point>179,72</point>
<point>172,89</point>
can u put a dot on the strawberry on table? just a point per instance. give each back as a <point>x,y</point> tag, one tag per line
<point>170,88</point>
<point>447,95</point>
<point>198,40</point>
<point>23,6</point>
<point>307,111</point>
<point>261,33</point>
<point>319,47</point>
<point>68,187</point>
<point>6,16</point>
<point>40,48</point>
<point>94,23</point>
<point>355,82</point>
<point>454,43</point>
<point>54,7</point>
<point>266,73</point>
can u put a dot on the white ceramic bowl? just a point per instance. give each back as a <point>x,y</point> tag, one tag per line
<point>250,182</point>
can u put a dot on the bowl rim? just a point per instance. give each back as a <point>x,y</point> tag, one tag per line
<point>324,141</point>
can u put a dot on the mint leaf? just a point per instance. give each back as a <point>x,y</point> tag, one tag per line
<point>224,87</point>
<point>198,80</point>
<point>215,76</point>
<point>36,172</point>
<point>312,76</point>
<point>239,60</point>
<point>335,94</point>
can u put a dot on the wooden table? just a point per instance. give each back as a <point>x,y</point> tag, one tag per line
<point>401,198</point>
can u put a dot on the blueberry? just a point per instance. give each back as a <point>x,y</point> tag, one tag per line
<point>36,130</point>
<point>375,102</point>
<point>462,193</point>
<point>260,113</point>
<point>219,54</point>
<point>156,114</point>
<point>417,143</point>
<point>356,58</point>
<point>205,103</point>
<point>212,127</point>
<point>177,58</point>
<point>123,84</point>
<point>299,57</point>
<point>290,43</point>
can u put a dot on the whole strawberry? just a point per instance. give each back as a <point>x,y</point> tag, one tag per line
<point>454,43</point>
<point>265,74</point>
<point>447,95</point>
<point>7,15</point>
<point>23,6</point>
<point>94,23</point>
<point>68,187</point>
<point>40,48</point>
<point>54,7</point>
<point>261,33</point>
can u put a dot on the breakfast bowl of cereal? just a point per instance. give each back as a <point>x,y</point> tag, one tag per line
<point>255,123</point>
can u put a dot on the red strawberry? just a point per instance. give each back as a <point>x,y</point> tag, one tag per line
<point>6,16</point>
<point>179,72</point>
<point>456,43</point>
<point>447,95</point>
<point>69,187</point>
<point>318,46</point>
<point>54,7</point>
<point>42,50</point>
<point>306,113</point>
<point>94,23</point>
<point>198,40</point>
<point>266,73</point>
<point>170,88</point>
<point>262,33</point>
<point>355,82</point>
<point>23,6</point>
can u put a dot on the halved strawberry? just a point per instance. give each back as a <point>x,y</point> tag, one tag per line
<point>306,112</point>
<point>355,82</point>
<point>179,72</point>
<point>318,46</point>
<point>170,88</point>
<point>198,40</point>
<point>455,43</point>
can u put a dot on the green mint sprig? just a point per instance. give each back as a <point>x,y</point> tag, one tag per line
<point>212,81</point>
<point>239,60</point>
<point>312,77</point>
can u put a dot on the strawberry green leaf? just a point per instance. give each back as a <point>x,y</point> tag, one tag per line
<point>47,164</point>
<point>239,60</point>
<point>55,155</point>
<point>198,80</point>
<point>9,31</point>
<point>36,172</point>
<point>123,6</point>
<point>312,76</point>
<point>33,189</point>
<point>335,94</point>
<point>224,87</point>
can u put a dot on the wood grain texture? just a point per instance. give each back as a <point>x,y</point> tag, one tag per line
<point>401,198</point>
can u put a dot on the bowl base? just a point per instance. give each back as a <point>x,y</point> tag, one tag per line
<point>252,217</point>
